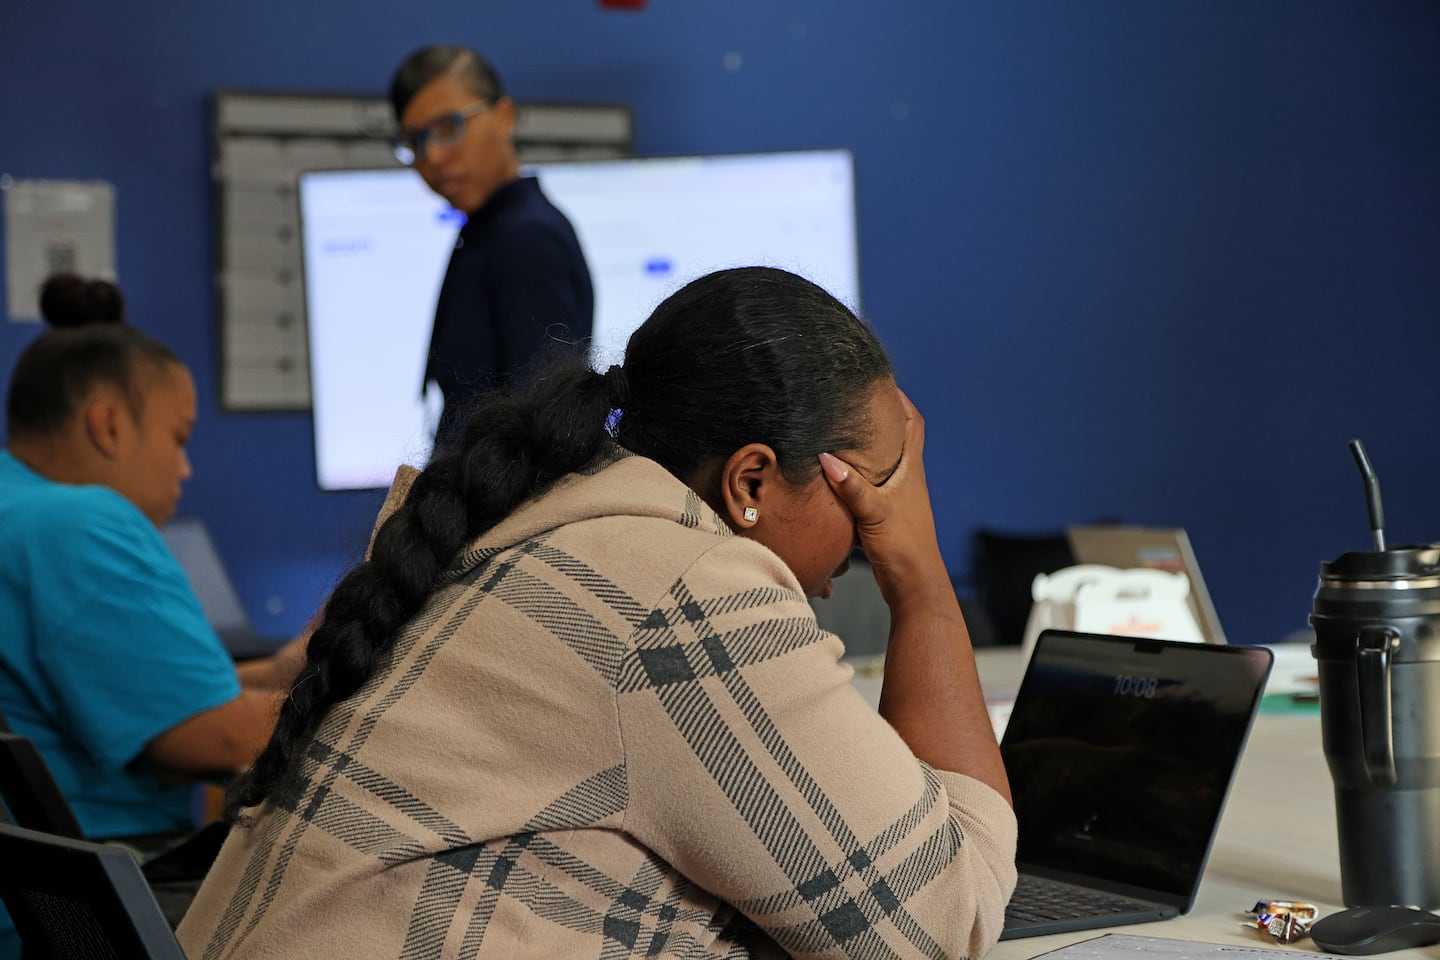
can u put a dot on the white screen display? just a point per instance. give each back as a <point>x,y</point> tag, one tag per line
<point>376,243</point>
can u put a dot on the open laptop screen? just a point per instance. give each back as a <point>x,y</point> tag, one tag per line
<point>190,542</point>
<point>1120,752</point>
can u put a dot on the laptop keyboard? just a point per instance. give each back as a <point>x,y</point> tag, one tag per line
<point>1039,900</point>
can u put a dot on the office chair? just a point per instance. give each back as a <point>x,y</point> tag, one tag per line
<point>75,900</point>
<point>1005,565</point>
<point>35,802</point>
<point>30,792</point>
<point>857,613</point>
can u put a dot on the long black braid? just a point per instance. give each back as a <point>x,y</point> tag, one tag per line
<point>747,355</point>
<point>513,448</point>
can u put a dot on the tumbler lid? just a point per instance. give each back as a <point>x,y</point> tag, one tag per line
<point>1404,562</point>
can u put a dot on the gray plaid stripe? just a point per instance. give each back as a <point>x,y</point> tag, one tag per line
<point>885,896</point>
<point>397,797</point>
<point>641,898</point>
<point>694,510</point>
<point>913,817</point>
<point>603,795</point>
<point>799,777</point>
<point>587,803</point>
<point>547,901</point>
<point>249,881</point>
<point>360,829</point>
<point>495,867</point>
<point>847,918</point>
<point>564,618</point>
<point>763,641</point>
<point>918,869</point>
<point>504,875</point>
<point>752,795</point>
<point>445,882</point>
<point>581,872</point>
<point>338,721</point>
<point>594,583</point>
<point>913,879</point>
<point>471,559</point>
<point>636,922</point>
<point>660,658</point>
<point>747,600</point>
<point>267,894</point>
<point>691,610</point>
<point>861,861</point>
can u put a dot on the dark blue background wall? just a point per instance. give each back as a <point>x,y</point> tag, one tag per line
<point>1149,260</point>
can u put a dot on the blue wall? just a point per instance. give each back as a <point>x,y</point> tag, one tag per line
<point>1154,261</point>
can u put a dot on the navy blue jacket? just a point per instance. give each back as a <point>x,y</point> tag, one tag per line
<point>516,281</point>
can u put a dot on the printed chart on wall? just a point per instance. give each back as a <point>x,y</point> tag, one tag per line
<point>54,226</point>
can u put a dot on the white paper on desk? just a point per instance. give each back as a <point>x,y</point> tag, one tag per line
<point>1124,946</point>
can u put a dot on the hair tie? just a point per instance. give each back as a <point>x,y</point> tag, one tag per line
<point>619,385</point>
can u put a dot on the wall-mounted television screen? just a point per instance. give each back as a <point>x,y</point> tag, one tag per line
<point>376,243</point>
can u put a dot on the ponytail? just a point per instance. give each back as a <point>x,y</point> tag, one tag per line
<point>513,448</point>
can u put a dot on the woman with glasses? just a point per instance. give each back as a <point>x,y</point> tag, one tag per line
<point>575,704</point>
<point>517,278</point>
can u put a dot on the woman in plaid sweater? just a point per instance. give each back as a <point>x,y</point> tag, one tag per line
<point>575,702</point>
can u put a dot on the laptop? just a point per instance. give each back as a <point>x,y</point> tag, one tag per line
<point>190,542</point>
<point>1151,548</point>
<point>1120,753</point>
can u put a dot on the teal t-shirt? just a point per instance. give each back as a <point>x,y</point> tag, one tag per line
<point>103,646</point>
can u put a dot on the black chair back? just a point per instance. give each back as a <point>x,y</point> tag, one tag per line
<point>75,900</point>
<point>1005,567</point>
<point>30,792</point>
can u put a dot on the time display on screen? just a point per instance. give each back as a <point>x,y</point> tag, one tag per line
<point>1128,686</point>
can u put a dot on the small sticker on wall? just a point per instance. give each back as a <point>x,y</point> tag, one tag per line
<point>54,226</point>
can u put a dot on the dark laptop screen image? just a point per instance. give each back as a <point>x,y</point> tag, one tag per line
<point>1123,752</point>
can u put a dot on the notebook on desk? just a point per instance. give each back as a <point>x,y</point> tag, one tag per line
<point>190,542</point>
<point>1120,753</point>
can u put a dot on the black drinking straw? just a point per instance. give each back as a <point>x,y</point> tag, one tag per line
<point>1372,495</point>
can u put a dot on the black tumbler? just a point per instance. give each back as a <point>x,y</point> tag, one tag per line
<point>1377,646</point>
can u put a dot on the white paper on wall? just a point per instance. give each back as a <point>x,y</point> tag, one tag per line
<point>54,226</point>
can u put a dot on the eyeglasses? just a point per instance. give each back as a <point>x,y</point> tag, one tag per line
<point>410,146</point>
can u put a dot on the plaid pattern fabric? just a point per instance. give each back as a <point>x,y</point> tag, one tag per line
<point>616,731</point>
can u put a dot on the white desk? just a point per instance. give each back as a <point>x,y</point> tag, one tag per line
<point>1277,836</point>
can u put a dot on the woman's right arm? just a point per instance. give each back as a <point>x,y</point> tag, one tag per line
<point>931,692</point>
<point>755,768</point>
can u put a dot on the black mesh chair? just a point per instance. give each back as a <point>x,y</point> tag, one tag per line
<point>29,791</point>
<point>75,900</point>
<point>173,865</point>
